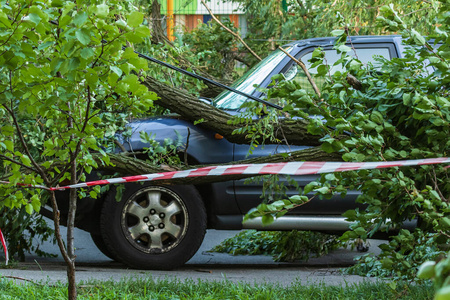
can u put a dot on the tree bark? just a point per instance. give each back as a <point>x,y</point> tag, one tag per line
<point>159,37</point>
<point>70,263</point>
<point>178,101</point>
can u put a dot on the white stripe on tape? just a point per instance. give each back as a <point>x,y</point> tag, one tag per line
<point>290,168</point>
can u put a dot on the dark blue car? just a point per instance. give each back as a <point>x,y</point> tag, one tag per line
<point>162,226</point>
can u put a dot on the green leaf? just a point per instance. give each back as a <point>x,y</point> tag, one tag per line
<point>445,222</point>
<point>443,293</point>
<point>9,145</point>
<point>74,63</point>
<point>323,190</point>
<point>25,160</point>
<point>418,37</point>
<point>45,45</point>
<point>35,18</point>
<point>83,35</point>
<point>135,19</point>
<point>426,270</point>
<point>4,19</point>
<point>360,231</point>
<point>267,219</point>
<point>327,147</point>
<point>102,10</point>
<point>344,48</point>
<point>337,32</point>
<point>29,208</point>
<point>35,203</point>
<point>196,122</point>
<point>355,65</point>
<point>330,177</point>
<point>87,53</point>
<point>133,37</point>
<point>57,3</point>
<point>91,78</point>
<point>121,23</point>
<point>80,18</point>
<point>116,70</point>
<point>142,31</point>
<point>310,186</point>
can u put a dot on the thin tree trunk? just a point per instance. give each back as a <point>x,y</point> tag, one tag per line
<point>72,288</point>
<point>72,292</point>
<point>158,34</point>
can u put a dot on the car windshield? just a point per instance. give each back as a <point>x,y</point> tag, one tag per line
<point>255,76</point>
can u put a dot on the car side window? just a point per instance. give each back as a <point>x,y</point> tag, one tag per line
<point>365,55</point>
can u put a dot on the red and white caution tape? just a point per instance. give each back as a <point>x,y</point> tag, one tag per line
<point>286,168</point>
<point>5,249</point>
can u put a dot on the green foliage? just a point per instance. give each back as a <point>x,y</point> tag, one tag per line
<point>273,196</point>
<point>178,55</point>
<point>399,111</point>
<point>66,86</point>
<point>162,154</point>
<point>150,288</point>
<point>258,123</point>
<point>271,21</point>
<point>215,48</point>
<point>25,232</point>
<point>440,273</point>
<point>282,246</point>
<point>400,257</point>
<point>63,76</point>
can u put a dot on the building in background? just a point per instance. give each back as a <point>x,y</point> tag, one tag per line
<point>187,14</point>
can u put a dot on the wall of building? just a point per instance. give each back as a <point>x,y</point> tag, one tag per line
<point>187,14</point>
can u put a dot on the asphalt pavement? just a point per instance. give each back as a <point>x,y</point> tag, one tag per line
<point>204,265</point>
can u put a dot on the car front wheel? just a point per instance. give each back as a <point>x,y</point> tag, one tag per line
<point>153,226</point>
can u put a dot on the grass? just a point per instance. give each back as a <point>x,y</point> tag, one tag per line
<point>175,289</point>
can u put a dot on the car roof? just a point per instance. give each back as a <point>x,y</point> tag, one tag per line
<point>325,41</point>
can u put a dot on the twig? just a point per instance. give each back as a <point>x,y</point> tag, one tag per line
<point>302,65</point>
<point>4,157</point>
<point>416,11</point>
<point>20,278</point>
<point>436,187</point>
<point>230,31</point>
<point>186,148</point>
<point>120,145</point>
<point>300,3</point>
<point>21,137</point>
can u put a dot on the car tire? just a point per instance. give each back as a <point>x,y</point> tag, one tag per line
<point>153,226</point>
<point>100,244</point>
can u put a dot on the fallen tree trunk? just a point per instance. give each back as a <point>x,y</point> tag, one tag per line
<point>178,101</point>
<point>126,165</point>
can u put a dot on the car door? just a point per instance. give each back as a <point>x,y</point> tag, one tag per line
<point>248,195</point>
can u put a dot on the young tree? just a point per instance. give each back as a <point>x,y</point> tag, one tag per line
<point>66,85</point>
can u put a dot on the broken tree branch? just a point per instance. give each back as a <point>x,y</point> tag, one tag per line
<point>192,109</point>
<point>303,66</point>
<point>230,31</point>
